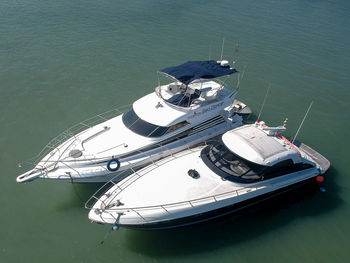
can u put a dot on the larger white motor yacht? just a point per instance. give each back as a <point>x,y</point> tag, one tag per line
<point>187,111</point>
<point>248,164</point>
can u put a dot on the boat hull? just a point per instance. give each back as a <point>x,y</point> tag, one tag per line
<point>100,174</point>
<point>216,213</point>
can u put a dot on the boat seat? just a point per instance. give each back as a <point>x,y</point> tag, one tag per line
<point>209,95</point>
<point>184,100</point>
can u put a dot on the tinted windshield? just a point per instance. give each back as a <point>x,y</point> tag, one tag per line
<point>230,166</point>
<point>141,127</point>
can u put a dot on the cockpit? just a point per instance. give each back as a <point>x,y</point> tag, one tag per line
<point>185,99</point>
<point>235,168</point>
<point>199,92</point>
<point>230,166</point>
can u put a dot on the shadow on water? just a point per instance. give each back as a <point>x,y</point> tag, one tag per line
<point>80,193</point>
<point>236,228</point>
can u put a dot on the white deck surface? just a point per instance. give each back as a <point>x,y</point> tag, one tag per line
<point>163,115</point>
<point>170,183</point>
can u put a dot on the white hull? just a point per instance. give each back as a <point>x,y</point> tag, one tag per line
<point>229,195</point>
<point>183,188</point>
<point>100,173</point>
<point>84,157</point>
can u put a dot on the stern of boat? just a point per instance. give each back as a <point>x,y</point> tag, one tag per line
<point>322,162</point>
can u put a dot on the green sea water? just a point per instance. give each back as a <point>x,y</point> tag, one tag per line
<point>64,61</point>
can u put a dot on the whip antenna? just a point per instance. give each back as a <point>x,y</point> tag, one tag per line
<point>222,47</point>
<point>236,57</point>
<point>244,69</point>
<point>238,81</point>
<point>262,106</point>
<point>302,121</point>
<point>240,77</point>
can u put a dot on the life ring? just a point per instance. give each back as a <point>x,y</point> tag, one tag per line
<point>109,165</point>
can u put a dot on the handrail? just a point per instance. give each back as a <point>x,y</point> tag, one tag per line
<point>111,207</point>
<point>192,202</point>
<point>71,133</point>
<point>167,207</point>
<point>78,128</point>
<point>144,155</point>
<point>98,193</point>
<point>103,167</point>
<point>66,139</point>
<point>137,174</point>
<point>46,165</point>
<point>158,91</point>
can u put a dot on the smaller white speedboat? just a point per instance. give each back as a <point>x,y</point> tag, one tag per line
<point>190,109</point>
<point>248,165</point>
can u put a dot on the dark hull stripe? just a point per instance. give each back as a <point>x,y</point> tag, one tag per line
<point>206,127</point>
<point>186,221</point>
<point>209,124</point>
<point>196,129</point>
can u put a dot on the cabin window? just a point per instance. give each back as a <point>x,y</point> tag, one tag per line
<point>141,127</point>
<point>177,126</point>
<point>230,166</point>
<point>284,167</point>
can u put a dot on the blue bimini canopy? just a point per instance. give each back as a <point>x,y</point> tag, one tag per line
<point>192,70</point>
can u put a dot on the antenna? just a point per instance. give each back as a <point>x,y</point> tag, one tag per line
<point>239,78</point>
<point>222,47</point>
<point>262,106</point>
<point>244,69</point>
<point>238,81</point>
<point>235,59</point>
<point>302,121</point>
<point>237,87</point>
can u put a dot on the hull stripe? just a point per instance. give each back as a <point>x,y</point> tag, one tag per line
<point>217,120</point>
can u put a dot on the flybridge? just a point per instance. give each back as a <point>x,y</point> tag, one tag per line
<point>192,70</point>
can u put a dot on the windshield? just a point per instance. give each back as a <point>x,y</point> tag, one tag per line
<point>141,127</point>
<point>230,166</point>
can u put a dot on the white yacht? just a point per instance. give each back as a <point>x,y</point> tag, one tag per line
<point>187,111</point>
<point>247,165</point>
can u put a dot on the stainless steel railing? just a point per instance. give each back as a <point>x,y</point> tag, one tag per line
<point>113,210</point>
<point>136,175</point>
<point>79,128</point>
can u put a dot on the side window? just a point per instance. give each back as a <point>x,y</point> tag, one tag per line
<point>129,118</point>
<point>159,131</point>
<point>284,167</point>
<point>177,126</point>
